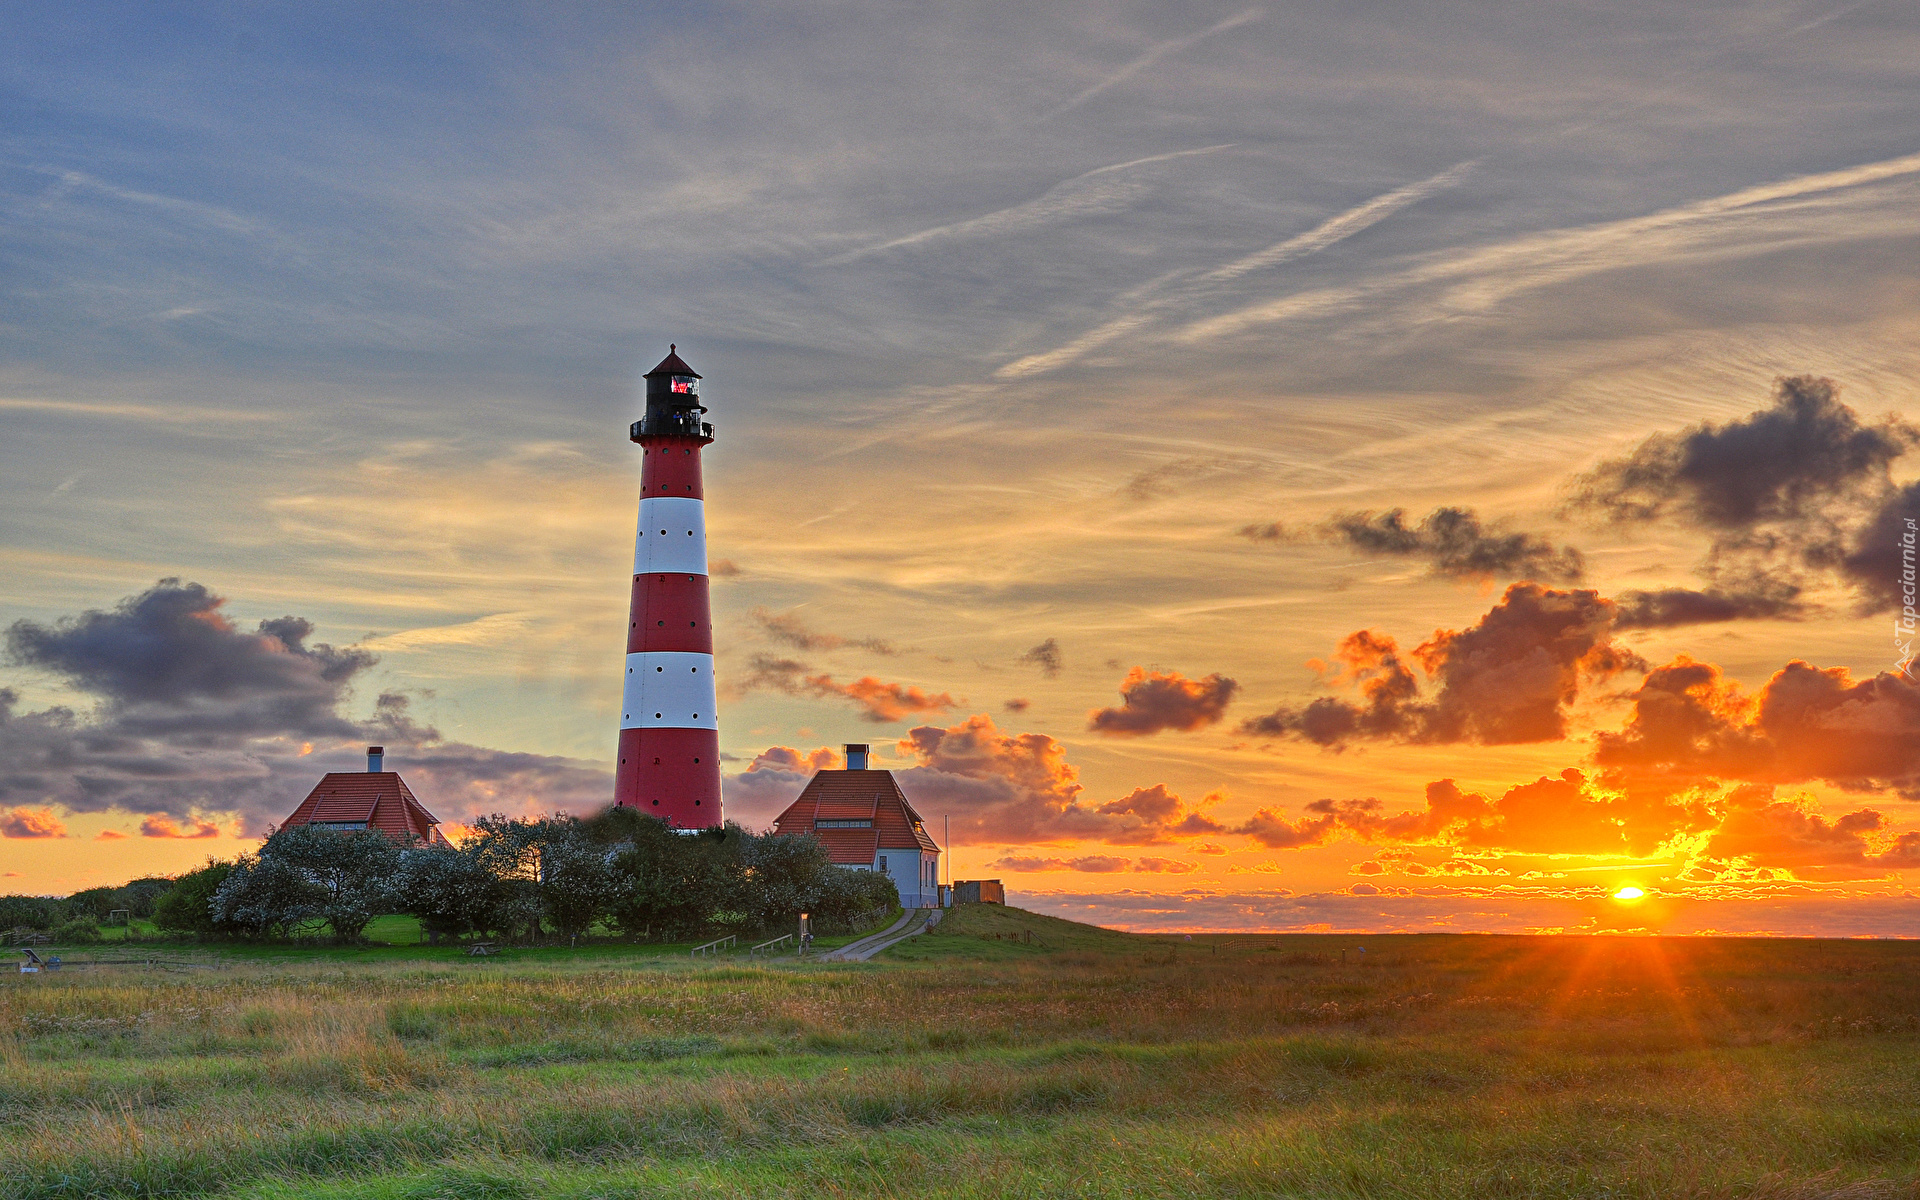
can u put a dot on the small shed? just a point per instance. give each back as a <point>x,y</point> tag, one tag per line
<point>979,891</point>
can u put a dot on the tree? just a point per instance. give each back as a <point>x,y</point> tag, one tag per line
<point>451,890</point>
<point>266,895</point>
<point>785,875</point>
<point>351,870</point>
<point>671,884</point>
<point>187,906</point>
<point>32,912</point>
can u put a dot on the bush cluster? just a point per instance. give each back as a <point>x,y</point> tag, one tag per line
<point>77,918</point>
<point>618,873</point>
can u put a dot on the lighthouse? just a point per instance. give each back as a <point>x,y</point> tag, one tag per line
<point>669,736</point>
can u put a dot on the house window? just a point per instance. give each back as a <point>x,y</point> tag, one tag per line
<point>862,823</point>
<point>883,862</point>
<point>338,824</point>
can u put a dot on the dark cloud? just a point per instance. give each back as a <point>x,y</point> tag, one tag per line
<point>879,701</point>
<point>169,662</point>
<point>1152,701</point>
<point>1019,788</point>
<point>1784,463</point>
<point>1046,656</point>
<point>1789,495</point>
<point>1018,704</point>
<point>1880,561</point>
<point>1510,678</point>
<point>789,628</point>
<point>1454,543</point>
<point>1670,607</point>
<point>196,716</point>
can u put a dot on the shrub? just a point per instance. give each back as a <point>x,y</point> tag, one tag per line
<point>80,931</point>
<point>187,905</point>
<point>33,912</point>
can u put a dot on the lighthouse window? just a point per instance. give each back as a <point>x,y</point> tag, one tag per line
<point>683,386</point>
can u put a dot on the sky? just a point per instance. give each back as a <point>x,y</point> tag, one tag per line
<point>1358,468</point>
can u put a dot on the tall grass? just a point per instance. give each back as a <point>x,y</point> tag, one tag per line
<point>1098,1065</point>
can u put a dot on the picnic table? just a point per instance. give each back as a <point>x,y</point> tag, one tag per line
<point>481,950</point>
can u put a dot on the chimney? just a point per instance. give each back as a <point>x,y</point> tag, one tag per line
<point>375,754</point>
<point>856,756</point>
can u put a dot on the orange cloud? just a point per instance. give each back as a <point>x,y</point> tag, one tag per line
<point>109,835</point>
<point>1098,864</point>
<point>882,702</point>
<point>1154,701</point>
<point>1807,723</point>
<point>31,823</point>
<point>1509,679</point>
<point>160,825</point>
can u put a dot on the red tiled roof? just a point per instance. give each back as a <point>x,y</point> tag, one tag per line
<point>857,796</point>
<point>380,799</point>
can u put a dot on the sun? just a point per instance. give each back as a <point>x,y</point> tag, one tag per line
<point>1629,892</point>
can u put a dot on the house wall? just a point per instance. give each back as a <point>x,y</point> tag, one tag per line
<point>915,872</point>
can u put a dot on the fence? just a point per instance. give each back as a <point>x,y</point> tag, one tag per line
<point>769,947</point>
<point>715,946</point>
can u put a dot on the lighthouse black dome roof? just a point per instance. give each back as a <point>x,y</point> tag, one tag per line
<point>673,364</point>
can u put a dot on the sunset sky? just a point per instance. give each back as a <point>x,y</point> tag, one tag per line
<point>1362,467</point>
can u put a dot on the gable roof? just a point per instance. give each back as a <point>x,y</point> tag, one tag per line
<point>871,796</point>
<point>380,799</point>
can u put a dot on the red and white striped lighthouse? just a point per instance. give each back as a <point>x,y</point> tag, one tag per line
<point>669,736</point>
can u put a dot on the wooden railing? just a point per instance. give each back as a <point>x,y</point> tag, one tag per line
<point>714,947</point>
<point>769,947</point>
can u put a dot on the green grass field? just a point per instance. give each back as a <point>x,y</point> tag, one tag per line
<point>1007,1054</point>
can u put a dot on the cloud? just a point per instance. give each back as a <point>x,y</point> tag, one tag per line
<point>1020,788</point>
<point>1046,656</point>
<point>168,661</point>
<point>1107,189</point>
<point>1274,831</point>
<point>1097,864</point>
<point>1808,723</point>
<point>1671,607</point>
<point>1455,544</point>
<point>1153,55</point>
<point>1784,463</point>
<point>1177,291</point>
<point>1758,831</point>
<point>1509,679</point>
<point>1154,701</point>
<point>196,715</point>
<point>1471,282</point>
<point>1803,486</point>
<point>31,823</point>
<point>1017,705</point>
<point>1880,561</point>
<point>879,701</point>
<point>788,628</point>
<point>160,825</point>
<point>109,835</point>
<point>773,780</point>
